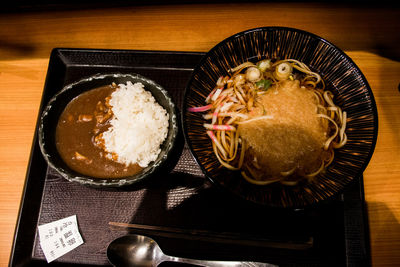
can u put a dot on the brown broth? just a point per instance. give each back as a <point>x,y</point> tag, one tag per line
<point>75,134</point>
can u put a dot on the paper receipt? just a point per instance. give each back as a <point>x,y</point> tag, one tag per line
<point>59,237</point>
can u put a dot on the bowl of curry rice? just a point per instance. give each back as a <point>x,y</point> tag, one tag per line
<point>108,130</point>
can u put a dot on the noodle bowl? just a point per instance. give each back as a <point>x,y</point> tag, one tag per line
<point>273,121</point>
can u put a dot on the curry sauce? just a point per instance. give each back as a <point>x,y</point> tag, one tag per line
<point>78,136</point>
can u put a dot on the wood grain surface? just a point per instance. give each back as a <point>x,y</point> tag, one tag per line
<point>368,34</point>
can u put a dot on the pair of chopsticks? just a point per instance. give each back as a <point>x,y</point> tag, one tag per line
<point>210,236</point>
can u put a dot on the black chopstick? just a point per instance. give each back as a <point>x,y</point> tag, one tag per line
<point>210,236</point>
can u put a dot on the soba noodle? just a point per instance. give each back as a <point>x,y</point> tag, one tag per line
<point>273,122</point>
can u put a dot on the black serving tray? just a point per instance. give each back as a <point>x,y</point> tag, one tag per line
<point>333,233</point>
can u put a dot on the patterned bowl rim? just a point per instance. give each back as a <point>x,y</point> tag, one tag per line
<point>165,154</point>
<point>288,29</point>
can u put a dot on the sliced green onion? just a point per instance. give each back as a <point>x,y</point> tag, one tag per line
<point>264,65</point>
<point>264,84</point>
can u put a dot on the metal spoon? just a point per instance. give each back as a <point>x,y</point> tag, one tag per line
<point>142,251</point>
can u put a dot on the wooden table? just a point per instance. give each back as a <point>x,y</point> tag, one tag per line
<point>369,35</point>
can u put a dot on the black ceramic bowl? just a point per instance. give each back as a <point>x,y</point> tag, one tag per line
<point>53,110</point>
<point>341,75</point>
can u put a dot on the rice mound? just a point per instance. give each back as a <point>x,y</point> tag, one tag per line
<point>139,125</point>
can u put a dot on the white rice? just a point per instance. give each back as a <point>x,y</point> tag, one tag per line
<point>139,125</point>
